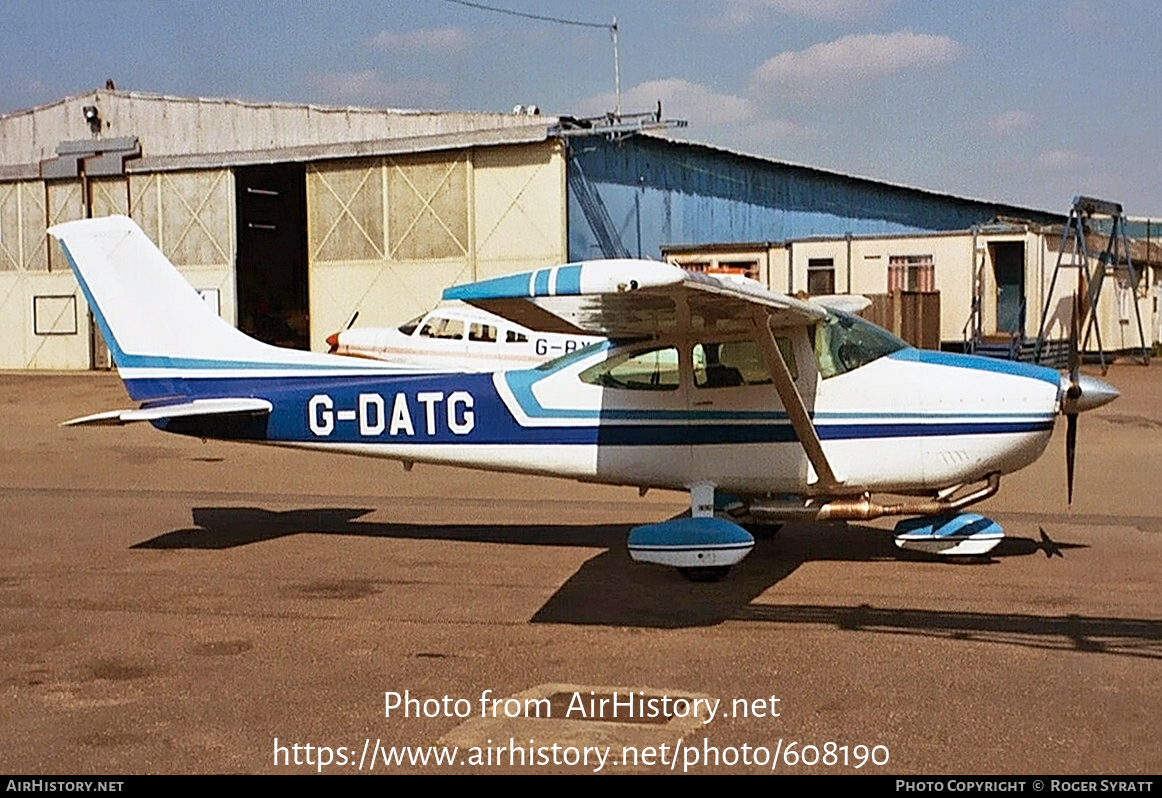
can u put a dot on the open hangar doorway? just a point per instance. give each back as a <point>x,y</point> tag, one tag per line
<point>271,265</point>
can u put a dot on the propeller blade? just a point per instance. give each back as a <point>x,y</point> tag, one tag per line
<point>1074,334</point>
<point>1072,394</point>
<point>1070,451</point>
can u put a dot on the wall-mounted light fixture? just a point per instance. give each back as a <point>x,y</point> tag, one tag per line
<point>93,117</point>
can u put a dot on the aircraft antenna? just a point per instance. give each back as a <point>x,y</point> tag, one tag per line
<point>616,71</point>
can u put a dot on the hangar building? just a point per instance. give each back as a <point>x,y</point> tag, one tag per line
<point>994,282</point>
<point>289,219</point>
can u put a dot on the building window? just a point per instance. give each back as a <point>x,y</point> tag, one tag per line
<point>746,268</point>
<point>820,276</point>
<point>911,273</point>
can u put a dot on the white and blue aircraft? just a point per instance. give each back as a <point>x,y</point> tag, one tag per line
<point>456,337</point>
<point>767,406</point>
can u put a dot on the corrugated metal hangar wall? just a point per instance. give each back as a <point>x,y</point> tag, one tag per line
<point>657,192</point>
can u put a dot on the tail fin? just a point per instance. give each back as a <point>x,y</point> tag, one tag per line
<point>159,331</point>
<point>150,316</point>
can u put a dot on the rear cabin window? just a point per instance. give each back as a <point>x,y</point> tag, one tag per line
<point>485,333</point>
<point>734,363</point>
<point>652,370</point>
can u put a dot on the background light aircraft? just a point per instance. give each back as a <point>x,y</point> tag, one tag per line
<point>778,407</point>
<point>457,337</point>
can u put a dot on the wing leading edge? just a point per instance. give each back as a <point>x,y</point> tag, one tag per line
<point>628,298</point>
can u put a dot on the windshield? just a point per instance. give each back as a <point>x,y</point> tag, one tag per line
<point>410,327</point>
<point>844,342</point>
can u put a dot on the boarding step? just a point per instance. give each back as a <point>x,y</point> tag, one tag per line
<point>1053,354</point>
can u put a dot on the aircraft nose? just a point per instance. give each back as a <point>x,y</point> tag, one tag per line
<point>1091,393</point>
<point>333,341</point>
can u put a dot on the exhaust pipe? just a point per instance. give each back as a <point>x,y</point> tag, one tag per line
<point>862,508</point>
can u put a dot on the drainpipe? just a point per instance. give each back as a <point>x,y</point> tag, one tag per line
<point>848,238</point>
<point>790,269</point>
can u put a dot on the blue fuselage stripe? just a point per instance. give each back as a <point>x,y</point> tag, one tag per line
<point>433,417</point>
<point>973,363</point>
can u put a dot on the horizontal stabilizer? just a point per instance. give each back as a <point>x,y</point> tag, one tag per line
<point>194,409</point>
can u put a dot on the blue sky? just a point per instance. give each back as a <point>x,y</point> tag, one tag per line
<point>1022,102</point>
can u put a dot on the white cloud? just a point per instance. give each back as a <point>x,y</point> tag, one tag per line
<point>850,59</point>
<point>1009,122</point>
<point>441,40</point>
<point>368,86</point>
<point>680,99</point>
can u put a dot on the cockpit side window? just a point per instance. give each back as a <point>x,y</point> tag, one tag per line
<point>443,328</point>
<point>651,370</point>
<point>844,342</point>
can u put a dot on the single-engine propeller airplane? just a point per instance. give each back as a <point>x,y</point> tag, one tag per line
<point>753,402</point>
<point>456,337</point>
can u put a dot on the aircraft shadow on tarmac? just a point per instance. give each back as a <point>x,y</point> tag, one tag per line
<point>610,589</point>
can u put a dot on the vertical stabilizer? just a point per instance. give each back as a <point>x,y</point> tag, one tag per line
<point>150,316</point>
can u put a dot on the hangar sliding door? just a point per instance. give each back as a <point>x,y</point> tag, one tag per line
<point>271,266</point>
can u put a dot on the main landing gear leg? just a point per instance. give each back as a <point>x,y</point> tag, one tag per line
<point>702,506</point>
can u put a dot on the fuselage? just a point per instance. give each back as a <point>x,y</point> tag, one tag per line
<point>670,413</point>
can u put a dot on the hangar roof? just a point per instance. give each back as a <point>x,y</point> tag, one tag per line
<point>181,132</point>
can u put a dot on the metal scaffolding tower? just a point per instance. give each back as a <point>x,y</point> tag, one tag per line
<point>1091,273</point>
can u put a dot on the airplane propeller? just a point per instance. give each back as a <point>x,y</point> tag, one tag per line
<point>1078,394</point>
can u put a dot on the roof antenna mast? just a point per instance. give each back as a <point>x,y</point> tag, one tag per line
<point>616,71</point>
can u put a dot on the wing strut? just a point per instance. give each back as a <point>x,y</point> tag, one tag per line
<point>795,407</point>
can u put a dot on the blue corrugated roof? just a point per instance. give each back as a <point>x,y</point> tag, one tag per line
<point>661,191</point>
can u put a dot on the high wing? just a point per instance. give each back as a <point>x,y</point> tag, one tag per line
<point>630,298</point>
